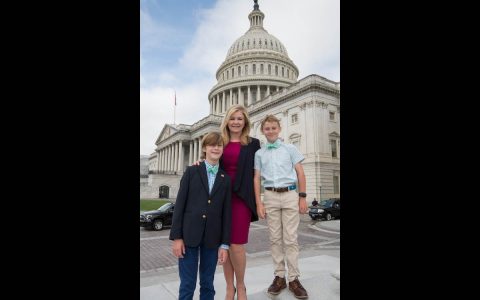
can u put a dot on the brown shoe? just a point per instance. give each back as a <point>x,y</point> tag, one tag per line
<point>277,285</point>
<point>297,289</point>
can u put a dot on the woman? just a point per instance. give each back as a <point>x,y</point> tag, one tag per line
<point>237,161</point>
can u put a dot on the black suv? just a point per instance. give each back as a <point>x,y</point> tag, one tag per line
<point>326,209</point>
<point>157,219</point>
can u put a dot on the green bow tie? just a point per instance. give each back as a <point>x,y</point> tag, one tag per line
<point>213,169</point>
<point>272,146</point>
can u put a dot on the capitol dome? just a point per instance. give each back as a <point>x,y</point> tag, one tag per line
<point>256,66</point>
<point>257,38</point>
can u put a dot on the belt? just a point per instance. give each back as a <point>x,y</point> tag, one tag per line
<point>281,189</point>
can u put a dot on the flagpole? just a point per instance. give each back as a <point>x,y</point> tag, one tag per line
<point>175,108</point>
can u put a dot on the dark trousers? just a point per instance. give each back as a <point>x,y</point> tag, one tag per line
<point>188,268</point>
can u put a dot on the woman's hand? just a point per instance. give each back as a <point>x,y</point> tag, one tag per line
<point>222,256</point>
<point>197,162</point>
<point>261,210</point>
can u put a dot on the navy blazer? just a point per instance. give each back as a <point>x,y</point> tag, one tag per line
<point>200,216</point>
<point>243,185</point>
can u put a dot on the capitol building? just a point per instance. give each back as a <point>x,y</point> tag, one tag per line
<point>259,74</point>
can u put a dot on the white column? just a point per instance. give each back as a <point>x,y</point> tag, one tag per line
<point>200,146</point>
<point>171,157</point>
<point>190,154</point>
<point>218,104</point>
<point>163,159</point>
<point>195,150</point>
<point>165,166</point>
<point>268,90</point>
<point>170,163</point>
<point>215,104</point>
<point>258,93</point>
<point>240,97</point>
<point>168,159</point>
<point>211,105</point>
<point>165,153</point>
<point>277,88</point>
<point>231,98</point>
<point>174,157</point>
<point>224,102</point>
<point>249,96</point>
<point>180,157</point>
<point>160,160</point>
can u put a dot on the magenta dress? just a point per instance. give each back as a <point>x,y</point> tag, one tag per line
<point>241,214</point>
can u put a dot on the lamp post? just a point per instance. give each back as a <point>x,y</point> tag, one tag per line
<point>320,198</point>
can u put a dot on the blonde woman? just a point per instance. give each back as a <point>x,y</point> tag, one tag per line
<point>238,161</point>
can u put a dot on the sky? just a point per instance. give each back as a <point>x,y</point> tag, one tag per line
<point>182,44</point>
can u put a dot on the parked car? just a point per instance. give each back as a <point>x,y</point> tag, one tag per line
<point>326,209</point>
<point>157,219</point>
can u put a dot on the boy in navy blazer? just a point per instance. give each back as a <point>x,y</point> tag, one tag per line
<point>201,221</point>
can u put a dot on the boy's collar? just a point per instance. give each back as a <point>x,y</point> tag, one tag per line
<point>278,141</point>
<point>209,164</point>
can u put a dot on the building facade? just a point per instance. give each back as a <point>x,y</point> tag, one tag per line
<point>258,74</point>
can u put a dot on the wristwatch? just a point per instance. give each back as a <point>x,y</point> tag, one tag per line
<point>303,195</point>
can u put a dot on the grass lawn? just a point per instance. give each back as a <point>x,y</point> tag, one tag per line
<point>146,205</point>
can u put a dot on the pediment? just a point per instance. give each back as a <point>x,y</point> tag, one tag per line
<point>167,131</point>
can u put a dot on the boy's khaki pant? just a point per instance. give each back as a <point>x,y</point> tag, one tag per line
<point>283,219</point>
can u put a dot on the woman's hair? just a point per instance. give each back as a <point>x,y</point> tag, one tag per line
<point>271,119</point>
<point>211,139</point>
<point>244,138</point>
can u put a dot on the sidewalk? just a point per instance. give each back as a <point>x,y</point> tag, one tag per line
<point>316,270</point>
<point>333,225</point>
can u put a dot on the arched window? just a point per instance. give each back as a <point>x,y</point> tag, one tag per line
<point>233,72</point>
<point>261,68</point>
<point>239,70</point>
<point>254,69</point>
<point>246,69</point>
<point>283,72</point>
<point>269,70</point>
<point>276,70</point>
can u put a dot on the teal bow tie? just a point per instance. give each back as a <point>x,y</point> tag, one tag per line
<point>272,146</point>
<point>213,169</point>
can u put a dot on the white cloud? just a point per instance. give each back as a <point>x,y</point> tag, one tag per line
<point>309,29</point>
